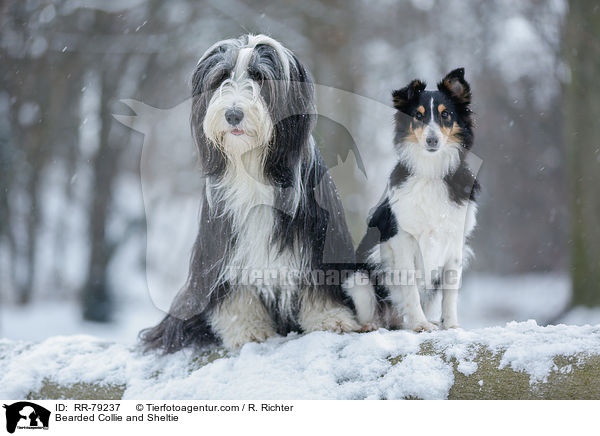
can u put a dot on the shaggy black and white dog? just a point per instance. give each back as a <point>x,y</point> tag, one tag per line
<point>415,245</point>
<point>271,220</point>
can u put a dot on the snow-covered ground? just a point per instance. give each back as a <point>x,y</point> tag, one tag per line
<point>485,301</point>
<point>320,365</point>
<point>48,341</point>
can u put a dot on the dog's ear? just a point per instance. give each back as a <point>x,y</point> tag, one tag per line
<point>455,85</point>
<point>402,97</point>
<point>292,131</point>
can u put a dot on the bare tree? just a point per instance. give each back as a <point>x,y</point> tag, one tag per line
<point>582,50</point>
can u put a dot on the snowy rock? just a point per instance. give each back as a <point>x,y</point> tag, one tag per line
<point>520,360</point>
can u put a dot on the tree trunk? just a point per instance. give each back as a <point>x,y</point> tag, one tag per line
<point>582,51</point>
<point>96,296</point>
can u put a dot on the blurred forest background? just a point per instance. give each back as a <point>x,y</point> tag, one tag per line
<point>72,221</point>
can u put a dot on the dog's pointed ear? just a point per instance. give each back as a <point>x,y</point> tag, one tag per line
<point>402,97</point>
<point>455,85</point>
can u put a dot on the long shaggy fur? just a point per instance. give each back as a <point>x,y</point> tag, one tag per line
<point>268,203</point>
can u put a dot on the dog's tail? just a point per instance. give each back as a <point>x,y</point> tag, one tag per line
<point>172,334</point>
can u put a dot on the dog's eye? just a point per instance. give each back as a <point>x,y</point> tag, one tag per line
<point>418,115</point>
<point>445,115</point>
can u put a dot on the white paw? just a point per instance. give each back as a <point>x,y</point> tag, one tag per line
<point>335,320</point>
<point>249,335</point>
<point>448,326</point>
<point>423,326</point>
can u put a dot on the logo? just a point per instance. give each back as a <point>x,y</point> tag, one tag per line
<point>26,415</point>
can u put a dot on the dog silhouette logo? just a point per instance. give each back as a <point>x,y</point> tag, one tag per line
<point>26,415</point>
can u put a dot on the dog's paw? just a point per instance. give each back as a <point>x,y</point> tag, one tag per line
<point>368,327</point>
<point>342,323</point>
<point>333,320</point>
<point>237,339</point>
<point>423,326</point>
<point>449,326</point>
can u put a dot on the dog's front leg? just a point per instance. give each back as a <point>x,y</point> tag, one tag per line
<point>451,283</point>
<point>318,311</point>
<point>242,318</point>
<point>359,288</point>
<point>400,256</point>
<point>431,303</point>
<point>405,299</point>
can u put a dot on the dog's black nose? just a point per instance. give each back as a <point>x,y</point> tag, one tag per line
<point>234,116</point>
<point>432,142</point>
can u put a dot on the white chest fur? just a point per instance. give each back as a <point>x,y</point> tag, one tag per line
<point>255,260</point>
<point>423,209</point>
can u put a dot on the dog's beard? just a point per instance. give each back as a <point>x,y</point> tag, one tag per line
<point>256,125</point>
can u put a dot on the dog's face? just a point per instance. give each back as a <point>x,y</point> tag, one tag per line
<point>432,122</point>
<point>434,125</point>
<point>436,119</point>
<point>237,116</point>
<point>244,90</point>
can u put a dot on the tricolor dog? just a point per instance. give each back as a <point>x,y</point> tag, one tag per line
<point>415,247</point>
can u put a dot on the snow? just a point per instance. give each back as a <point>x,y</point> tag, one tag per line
<point>319,365</point>
<point>424,377</point>
<point>48,340</point>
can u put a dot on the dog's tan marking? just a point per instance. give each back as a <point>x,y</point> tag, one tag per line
<point>414,134</point>
<point>451,132</point>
